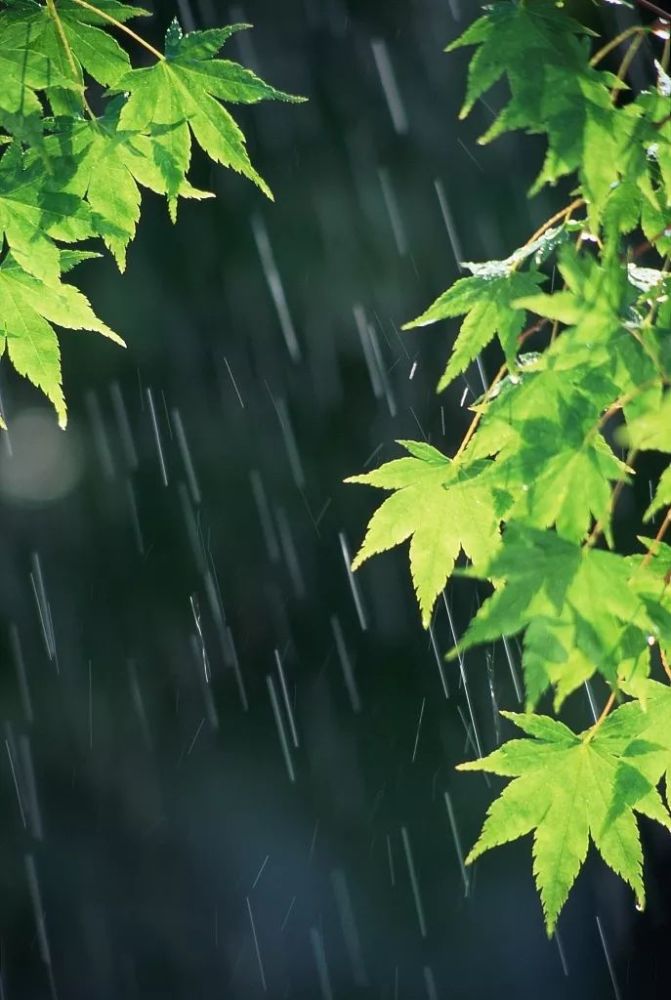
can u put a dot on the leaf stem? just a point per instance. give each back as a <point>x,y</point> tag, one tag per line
<point>604,712</point>
<point>624,66</point>
<point>649,244</point>
<point>567,210</point>
<point>55,16</point>
<point>653,8</point>
<point>658,537</point>
<point>599,527</point>
<point>534,328</point>
<point>665,663</point>
<point>614,42</point>
<point>475,422</point>
<point>121,26</point>
<point>622,401</point>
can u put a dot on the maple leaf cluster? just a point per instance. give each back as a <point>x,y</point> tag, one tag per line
<point>68,174</point>
<point>527,501</point>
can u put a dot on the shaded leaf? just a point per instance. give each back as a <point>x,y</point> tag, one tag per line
<point>188,87</point>
<point>28,308</point>
<point>487,298</point>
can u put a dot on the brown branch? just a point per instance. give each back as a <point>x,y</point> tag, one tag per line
<point>665,663</point>
<point>599,527</point>
<point>622,401</point>
<point>534,328</point>
<point>604,712</point>
<point>658,537</point>
<point>654,9</point>
<point>648,244</point>
<point>567,210</point>
<point>475,422</point>
<point>667,669</point>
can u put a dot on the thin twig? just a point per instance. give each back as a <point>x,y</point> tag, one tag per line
<point>475,422</point>
<point>658,537</point>
<point>648,244</point>
<point>567,210</point>
<point>122,27</point>
<point>599,527</point>
<point>530,330</point>
<point>654,9</point>
<point>624,67</point>
<point>614,42</point>
<point>622,401</point>
<point>665,663</point>
<point>604,712</point>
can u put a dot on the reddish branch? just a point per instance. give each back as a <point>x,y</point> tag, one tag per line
<point>654,9</point>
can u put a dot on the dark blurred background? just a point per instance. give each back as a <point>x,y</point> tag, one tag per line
<point>228,767</point>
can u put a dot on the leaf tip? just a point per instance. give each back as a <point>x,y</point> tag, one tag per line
<point>358,560</point>
<point>114,337</point>
<point>470,765</point>
<point>446,380</point>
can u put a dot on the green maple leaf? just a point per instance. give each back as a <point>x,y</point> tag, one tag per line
<point>112,8</point>
<point>71,46</point>
<point>569,789</point>
<point>487,298</point>
<point>28,308</point>
<point>564,650</point>
<point>649,581</point>
<point>591,288</point>
<point>651,431</point>
<point>185,90</point>
<point>94,50</point>
<point>512,36</point>
<point>554,91</point>
<point>32,216</point>
<point>541,576</point>
<point>570,488</point>
<point>614,140</point>
<point>543,428</point>
<point>663,150</point>
<point>17,10</point>
<point>648,718</point>
<point>106,166</point>
<point>25,70</point>
<point>552,656</point>
<point>563,470</point>
<point>662,495</point>
<point>604,335</point>
<point>442,507</point>
<point>541,388</point>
